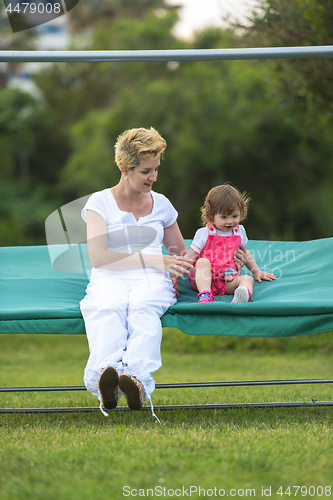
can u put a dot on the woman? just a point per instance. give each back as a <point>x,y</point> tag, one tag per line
<point>130,287</point>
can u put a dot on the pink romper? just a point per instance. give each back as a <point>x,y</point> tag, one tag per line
<point>220,251</point>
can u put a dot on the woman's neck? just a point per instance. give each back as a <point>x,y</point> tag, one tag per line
<point>127,196</point>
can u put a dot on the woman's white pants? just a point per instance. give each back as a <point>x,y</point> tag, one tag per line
<point>122,319</point>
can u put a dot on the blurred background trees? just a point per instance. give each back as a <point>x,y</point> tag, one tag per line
<point>265,126</point>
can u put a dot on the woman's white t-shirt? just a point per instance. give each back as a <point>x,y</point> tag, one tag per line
<point>128,235</point>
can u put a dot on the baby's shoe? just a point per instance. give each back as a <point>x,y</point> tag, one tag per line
<point>133,390</point>
<point>205,296</point>
<point>108,387</point>
<point>242,294</point>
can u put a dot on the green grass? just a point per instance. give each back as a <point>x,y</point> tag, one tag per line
<point>85,456</point>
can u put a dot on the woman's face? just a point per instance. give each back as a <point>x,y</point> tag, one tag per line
<point>142,177</point>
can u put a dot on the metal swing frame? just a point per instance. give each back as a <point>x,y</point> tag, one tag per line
<point>171,55</point>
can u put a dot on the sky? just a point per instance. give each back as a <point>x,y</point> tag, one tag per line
<point>197,14</point>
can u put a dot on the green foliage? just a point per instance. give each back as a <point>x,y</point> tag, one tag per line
<point>97,14</point>
<point>264,126</point>
<point>23,213</point>
<point>221,124</point>
<point>21,117</point>
<point>92,153</point>
<point>303,83</point>
<point>24,204</point>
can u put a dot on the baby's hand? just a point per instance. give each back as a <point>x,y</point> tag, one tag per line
<point>226,277</point>
<point>262,275</point>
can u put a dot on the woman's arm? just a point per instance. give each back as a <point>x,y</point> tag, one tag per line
<point>102,258</point>
<point>173,240</point>
<point>175,246</point>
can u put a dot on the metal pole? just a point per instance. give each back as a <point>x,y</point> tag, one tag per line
<point>181,385</point>
<point>225,406</point>
<point>165,55</point>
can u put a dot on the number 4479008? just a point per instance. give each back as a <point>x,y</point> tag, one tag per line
<point>304,491</point>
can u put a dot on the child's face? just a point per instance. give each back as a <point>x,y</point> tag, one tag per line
<point>227,222</point>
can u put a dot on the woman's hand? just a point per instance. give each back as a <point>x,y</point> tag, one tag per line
<point>240,259</point>
<point>177,265</point>
<point>175,283</point>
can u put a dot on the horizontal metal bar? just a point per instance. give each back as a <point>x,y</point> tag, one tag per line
<point>165,55</point>
<point>44,389</point>
<point>243,405</point>
<point>243,383</point>
<point>303,404</point>
<point>48,410</point>
<point>179,385</point>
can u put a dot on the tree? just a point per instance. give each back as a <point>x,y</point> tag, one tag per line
<point>98,13</point>
<point>221,123</point>
<point>20,118</point>
<point>71,91</point>
<point>305,84</point>
<point>24,205</point>
<point>304,89</point>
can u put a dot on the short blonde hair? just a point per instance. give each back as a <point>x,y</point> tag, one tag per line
<point>137,144</point>
<point>224,199</point>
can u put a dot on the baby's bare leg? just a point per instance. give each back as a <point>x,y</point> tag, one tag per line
<point>243,280</point>
<point>203,274</point>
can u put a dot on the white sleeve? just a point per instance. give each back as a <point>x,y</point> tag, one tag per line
<point>199,239</point>
<point>171,214</point>
<point>243,236</point>
<point>163,210</point>
<point>95,203</point>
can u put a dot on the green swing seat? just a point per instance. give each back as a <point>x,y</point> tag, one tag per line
<point>35,298</point>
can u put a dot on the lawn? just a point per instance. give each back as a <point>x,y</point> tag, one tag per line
<point>194,453</point>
